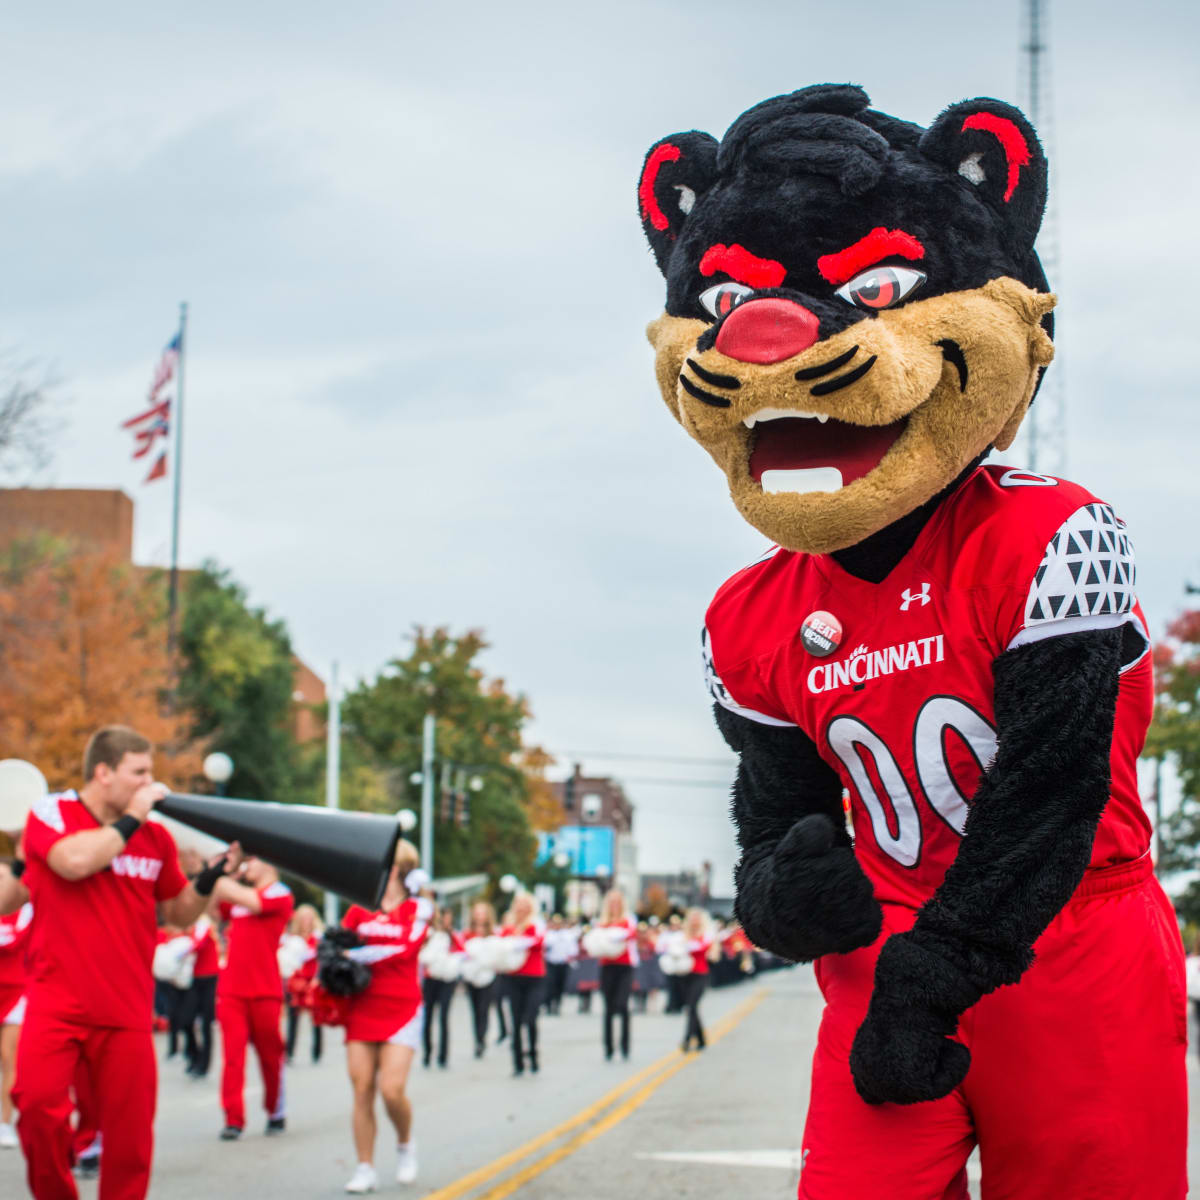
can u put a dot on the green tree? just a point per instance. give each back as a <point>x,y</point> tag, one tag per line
<point>479,726</point>
<point>1175,736</point>
<point>236,679</point>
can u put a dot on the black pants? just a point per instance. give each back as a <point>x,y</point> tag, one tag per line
<point>199,1010</point>
<point>176,1002</point>
<point>437,995</point>
<point>500,998</point>
<point>674,993</point>
<point>556,984</point>
<point>481,1003</point>
<point>525,996</point>
<point>293,1026</point>
<point>616,982</point>
<point>693,988</point>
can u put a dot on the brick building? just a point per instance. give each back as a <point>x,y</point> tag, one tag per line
<point>102,519</point>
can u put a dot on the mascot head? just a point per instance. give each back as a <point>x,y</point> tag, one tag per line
<point>855,312</point>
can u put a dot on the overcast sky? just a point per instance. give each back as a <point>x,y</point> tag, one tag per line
<point>418,385</point>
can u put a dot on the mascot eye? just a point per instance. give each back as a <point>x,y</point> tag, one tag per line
<point>724,297</point>
<point>881,287</point>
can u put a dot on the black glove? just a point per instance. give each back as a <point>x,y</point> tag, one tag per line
<point>337,974</point>
<point>808,897</point>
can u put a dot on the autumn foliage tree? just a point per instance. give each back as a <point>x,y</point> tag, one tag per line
<point>83,644</point>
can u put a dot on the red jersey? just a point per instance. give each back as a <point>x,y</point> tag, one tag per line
<point>391,943</point>
<point>14,944</point>
<point>698,948</point>
<point>251,966</point>
<point>204,938</point>
<point>92,944</point>
<point>629,956</point>
<point>902,706</point>
<point>535,959</point>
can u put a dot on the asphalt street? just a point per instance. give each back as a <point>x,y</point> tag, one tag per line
<point>724,1122</point>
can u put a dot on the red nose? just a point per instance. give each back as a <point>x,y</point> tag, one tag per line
<point>767,331</point>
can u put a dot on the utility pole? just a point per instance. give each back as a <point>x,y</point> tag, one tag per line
<point>428,736</point>
<point>333,770</point>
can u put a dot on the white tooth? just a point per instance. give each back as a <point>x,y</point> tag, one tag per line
<point>803,479</point>
<point>774,414</point>
<point>749,421</point>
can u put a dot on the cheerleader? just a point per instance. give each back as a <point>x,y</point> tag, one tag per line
<point>14,933</point>
<point>616,947</point>
<point>479,977</point>
<point>525,980</point>
<point>302,941</point>
<point>384,1020</point>
<point>700,943</point>
<point>441,960</point>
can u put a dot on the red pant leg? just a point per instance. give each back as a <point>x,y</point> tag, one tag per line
<point>268,1045</point>
<point>233,1017</point>
<point>125,1075</point>
<point>87,1122</point>
<point>1078,1080</point>
<point>858,1151</point>
<point>47,1054</point>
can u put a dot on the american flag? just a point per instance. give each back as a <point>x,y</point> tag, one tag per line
<point>155,421</point>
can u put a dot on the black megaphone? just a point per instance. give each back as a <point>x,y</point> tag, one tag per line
<point>349,853</point>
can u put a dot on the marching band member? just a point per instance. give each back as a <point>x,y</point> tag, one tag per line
<point>526,982</point>
<point>200,1005</point>
<point>562,945</point>
<point>306,928</point>
<point>384,1021</point>
<point>14,935</point>
<point>616,972</point>
<point>700,943</point>
<point>250,992</point>
<point>443,946</point>
<point>480,987</point>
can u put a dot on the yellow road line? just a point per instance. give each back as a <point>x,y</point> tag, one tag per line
<point>666,1067</point>
<point>469,1182</point>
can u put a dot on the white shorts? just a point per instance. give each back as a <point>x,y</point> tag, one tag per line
<point>15,1015</point>
<point>410,1033</point>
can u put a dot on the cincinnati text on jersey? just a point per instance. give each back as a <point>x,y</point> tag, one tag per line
<point>864,665</point>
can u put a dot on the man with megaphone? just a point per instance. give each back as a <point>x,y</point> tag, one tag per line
<point>96,869</point>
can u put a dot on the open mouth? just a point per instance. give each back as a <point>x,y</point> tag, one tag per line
<point>811,452</point>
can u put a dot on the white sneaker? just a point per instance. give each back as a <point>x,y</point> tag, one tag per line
<point>363,1180</point>
<point>406,1162</point>
<point>8,1137</point>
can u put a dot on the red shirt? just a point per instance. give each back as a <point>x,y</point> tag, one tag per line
<point>629,956</point>
<point>204,938</point>
<point>14,945</point>
<point>251,967</point>
<point>902,709</point>
<point>535,961</point>
<point>92,944</point>
<point>391,943</point>
<point>699,948</point>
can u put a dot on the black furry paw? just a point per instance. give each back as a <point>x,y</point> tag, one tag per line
<point>809,897</point>
<point>896,1058</point>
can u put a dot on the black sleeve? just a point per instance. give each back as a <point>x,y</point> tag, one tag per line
<point>800,891</point>
<point>1029,831</point>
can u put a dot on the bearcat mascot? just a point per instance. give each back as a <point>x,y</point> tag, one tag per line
<point>855,317</point>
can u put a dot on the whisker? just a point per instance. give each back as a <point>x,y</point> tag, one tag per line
<point>700,394</point>
<point>834,385</point>
<point>725,381</point>
<point>825,367</point>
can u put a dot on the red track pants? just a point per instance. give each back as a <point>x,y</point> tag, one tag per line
<point>1078,1083</point>
<point>124,1074</point>
<point>256,1021</point>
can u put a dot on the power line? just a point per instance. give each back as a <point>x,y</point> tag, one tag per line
<point>673,759</point>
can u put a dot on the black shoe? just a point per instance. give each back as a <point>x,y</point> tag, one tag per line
<point>275,1125</point>
<point>231,1133</point>
<point>518,1069</point>
<point>442,1063</point>
<point>479,1048</point>
<point>687,1045</point>
<point>533,1062</point>
<point>425,1062</point>
<point>87,1166</point>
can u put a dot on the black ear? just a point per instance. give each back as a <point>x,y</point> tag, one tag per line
<point>678,170</point>
<point>993,147</point>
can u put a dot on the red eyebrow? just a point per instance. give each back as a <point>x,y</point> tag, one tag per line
<point>866,252</point>
<point>738,263</point>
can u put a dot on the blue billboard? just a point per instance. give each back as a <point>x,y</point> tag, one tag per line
<point>589,847</point>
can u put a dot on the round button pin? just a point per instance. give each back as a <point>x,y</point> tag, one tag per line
<point>821,633</point>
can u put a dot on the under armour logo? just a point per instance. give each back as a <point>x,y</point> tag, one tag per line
<point>921,597</point>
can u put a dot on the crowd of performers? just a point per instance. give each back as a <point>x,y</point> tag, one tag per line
<point>105,935</point>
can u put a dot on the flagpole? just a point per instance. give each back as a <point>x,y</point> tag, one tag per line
<point>177,424</point>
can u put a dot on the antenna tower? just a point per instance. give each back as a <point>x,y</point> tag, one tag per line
<point>1045,427</point>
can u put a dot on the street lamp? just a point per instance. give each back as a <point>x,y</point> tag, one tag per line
<point>218,770</point>
<point>476,784</point>
<point>509,883</point>
<point>407,819</point>
<point>562,860</point>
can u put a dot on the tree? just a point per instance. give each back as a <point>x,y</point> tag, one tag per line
<point>83,644</point>
<point>478,726</point>
<point>1175,735</point>
<point>26,427</point>
<point>236,679</point>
